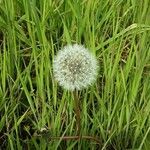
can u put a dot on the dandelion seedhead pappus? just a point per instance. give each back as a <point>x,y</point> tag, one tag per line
<point>74,67</point>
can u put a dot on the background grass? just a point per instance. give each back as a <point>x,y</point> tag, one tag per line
<point>33,107</point>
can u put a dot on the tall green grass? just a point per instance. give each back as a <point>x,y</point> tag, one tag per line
<point>33,107</point>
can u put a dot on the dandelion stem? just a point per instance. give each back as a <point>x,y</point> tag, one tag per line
<point>77,111</point>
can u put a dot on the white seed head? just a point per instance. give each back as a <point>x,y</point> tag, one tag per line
<point>74,67</point>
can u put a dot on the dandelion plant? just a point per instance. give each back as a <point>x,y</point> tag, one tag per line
<point>75,68</point>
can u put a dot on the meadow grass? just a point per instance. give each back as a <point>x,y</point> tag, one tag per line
<point>32,105</point>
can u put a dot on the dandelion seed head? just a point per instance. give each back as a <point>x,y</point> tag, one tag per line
<point>74,67</point>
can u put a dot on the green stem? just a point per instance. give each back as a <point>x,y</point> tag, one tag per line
<point>77,112</point>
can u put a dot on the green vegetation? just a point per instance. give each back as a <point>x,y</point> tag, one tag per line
<point>34,108</point>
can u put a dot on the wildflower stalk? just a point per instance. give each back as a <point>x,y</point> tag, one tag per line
<point>77,111</point>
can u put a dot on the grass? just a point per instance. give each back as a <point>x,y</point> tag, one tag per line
<point>32,105</point>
